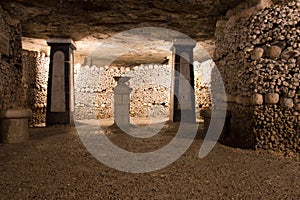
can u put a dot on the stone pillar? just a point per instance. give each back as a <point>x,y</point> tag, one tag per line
<point>182,63</point>
<point>122,102</point>
<point>60,97</point>
<point>14,125</point>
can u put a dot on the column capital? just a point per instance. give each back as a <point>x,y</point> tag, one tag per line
<point>183,43</point>
<point>61,41</point>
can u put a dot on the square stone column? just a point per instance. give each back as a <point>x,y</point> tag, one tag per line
<point>182,95</point>
<point>60,97</point>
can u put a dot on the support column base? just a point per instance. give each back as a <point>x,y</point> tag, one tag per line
<point>58,118</point>
<point>14,125</point>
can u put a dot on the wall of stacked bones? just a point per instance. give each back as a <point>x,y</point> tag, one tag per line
<point>11,94</point>
<point>258,55</point>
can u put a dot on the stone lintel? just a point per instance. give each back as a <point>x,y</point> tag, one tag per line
<point>183,43</point>
<point>68,41</point>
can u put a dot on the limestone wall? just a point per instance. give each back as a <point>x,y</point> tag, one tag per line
<point>10,65</point>
<point>257,54</point>
<point>35,79</point>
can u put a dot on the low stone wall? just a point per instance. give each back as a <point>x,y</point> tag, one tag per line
<point>257,54</point>
<point>11,64</point>
<point>35,79</point>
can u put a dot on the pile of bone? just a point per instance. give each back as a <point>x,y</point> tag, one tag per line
<point>259,59</point>
<point>34,81</point>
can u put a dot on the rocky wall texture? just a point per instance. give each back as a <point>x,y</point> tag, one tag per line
<point>150,96</point>
<point>35,79</point>
<point>257,54</point>
<point>11,64</point>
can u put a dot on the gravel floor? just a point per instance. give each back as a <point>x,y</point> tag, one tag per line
<point>55,165</point>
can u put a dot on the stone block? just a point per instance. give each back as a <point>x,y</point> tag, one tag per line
<point>14,125</point>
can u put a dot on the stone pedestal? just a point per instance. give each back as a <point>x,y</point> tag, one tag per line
<point>14,125</point>
<point>60,97</point>
<point>122,102</point>
<point>182,95</point>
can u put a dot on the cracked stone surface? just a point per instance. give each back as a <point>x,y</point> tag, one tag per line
<point>89,22</point>
<point>80,18</point>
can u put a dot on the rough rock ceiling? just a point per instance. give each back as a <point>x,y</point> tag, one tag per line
<point>88,22</point>
<point>156,52</point>
<point>80,18</point>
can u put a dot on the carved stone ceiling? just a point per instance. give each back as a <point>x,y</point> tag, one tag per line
<point>94,20</point>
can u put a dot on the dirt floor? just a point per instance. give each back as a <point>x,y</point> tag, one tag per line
<point>54,164</point>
